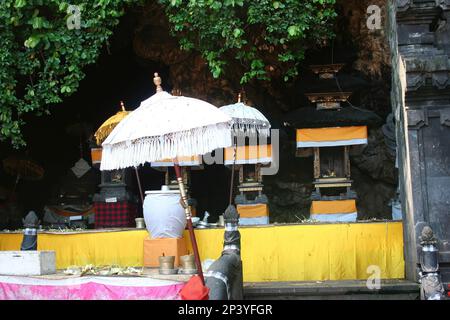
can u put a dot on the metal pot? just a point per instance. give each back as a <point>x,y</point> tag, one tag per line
<point>166,265</point>
<point>188,264</point>
<point>140,223</point>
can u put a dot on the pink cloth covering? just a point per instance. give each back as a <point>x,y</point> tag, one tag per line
<point>88,288</point>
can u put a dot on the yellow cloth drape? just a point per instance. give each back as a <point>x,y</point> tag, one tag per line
<point>96,155</point>
<point>310,252</point>
<point>332,207</point>
<point>182,161</point>
<point>249,154</point>
<point>253,210</point>
<point>334,134</point>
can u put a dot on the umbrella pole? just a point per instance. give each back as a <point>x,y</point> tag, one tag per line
<point>139,185</point>
<point>232,173</point>
<point>187,210</point>
<point>16,183</point>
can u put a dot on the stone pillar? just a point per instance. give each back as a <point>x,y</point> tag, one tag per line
<point>420,49</point>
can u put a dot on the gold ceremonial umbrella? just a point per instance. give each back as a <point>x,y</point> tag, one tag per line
<point>105,129</point>
<point>23,168</point>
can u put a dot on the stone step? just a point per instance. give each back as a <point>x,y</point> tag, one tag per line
<point>331,290</point>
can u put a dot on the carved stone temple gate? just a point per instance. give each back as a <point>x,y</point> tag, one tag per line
<point>419,32</point>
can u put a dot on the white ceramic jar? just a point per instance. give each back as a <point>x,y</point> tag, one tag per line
<point>164,216</point>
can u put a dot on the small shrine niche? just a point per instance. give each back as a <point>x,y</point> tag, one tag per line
<point>186,165</point>
<point>328,101</point>
<point>251,202</point>
<point>332,171</point>
<point>114,183</point>
<point>170,178</point>
<point>250,181</point>
<point>114,176</point>
<point>332,162</point>
<point>333,199</point>
<point>326,71</point>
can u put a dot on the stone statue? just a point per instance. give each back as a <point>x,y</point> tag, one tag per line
<point>31,223</point>
<point>431,287</point>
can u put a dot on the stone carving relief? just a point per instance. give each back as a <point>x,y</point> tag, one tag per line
<point>403,5</point>
<point>417,119</point>
<point>445,117</point>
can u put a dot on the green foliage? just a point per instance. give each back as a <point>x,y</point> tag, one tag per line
<point>251,32</point>
<point>42,56</point>
<point>42,59</point>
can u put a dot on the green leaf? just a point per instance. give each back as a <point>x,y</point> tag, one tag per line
<point>37,22</point>
<point>19,3</point>
<point>237,32</point>
<point>32,41</point>
<point>293,31</point>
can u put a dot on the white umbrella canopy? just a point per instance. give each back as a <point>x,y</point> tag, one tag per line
<point>166,127</point>
<point>247,120</point>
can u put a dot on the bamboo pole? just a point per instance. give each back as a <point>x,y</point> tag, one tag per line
<point>234,160</point>
<point>139,185</point>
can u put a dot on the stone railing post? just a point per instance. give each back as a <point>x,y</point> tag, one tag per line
<point>30,223</point>
<point>224,277</point>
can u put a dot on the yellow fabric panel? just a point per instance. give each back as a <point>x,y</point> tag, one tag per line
<point>331,134</point>
<point>10,241</point>
<point>312,252</point>
<point>248,152</point>
<point>331,207</point>
<point>96,155</point>
<point>253,210</point>
<point>99,248</point>
<point>183,159</point>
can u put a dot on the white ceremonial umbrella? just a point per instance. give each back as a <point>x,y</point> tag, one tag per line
<point>166,126</point>
<point>246,121</point>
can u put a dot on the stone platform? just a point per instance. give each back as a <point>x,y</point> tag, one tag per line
<point>331,290</point>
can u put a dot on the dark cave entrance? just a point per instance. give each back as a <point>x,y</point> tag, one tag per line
<point>58,141</point>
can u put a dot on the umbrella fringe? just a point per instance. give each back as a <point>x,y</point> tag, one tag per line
<point>183,143</point>
<point>243,128</point>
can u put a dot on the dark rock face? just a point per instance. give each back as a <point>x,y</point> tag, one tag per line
<point>376,161</point>
<point>289,201</point>
<point>374,196</point>
<point>375,178</point>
